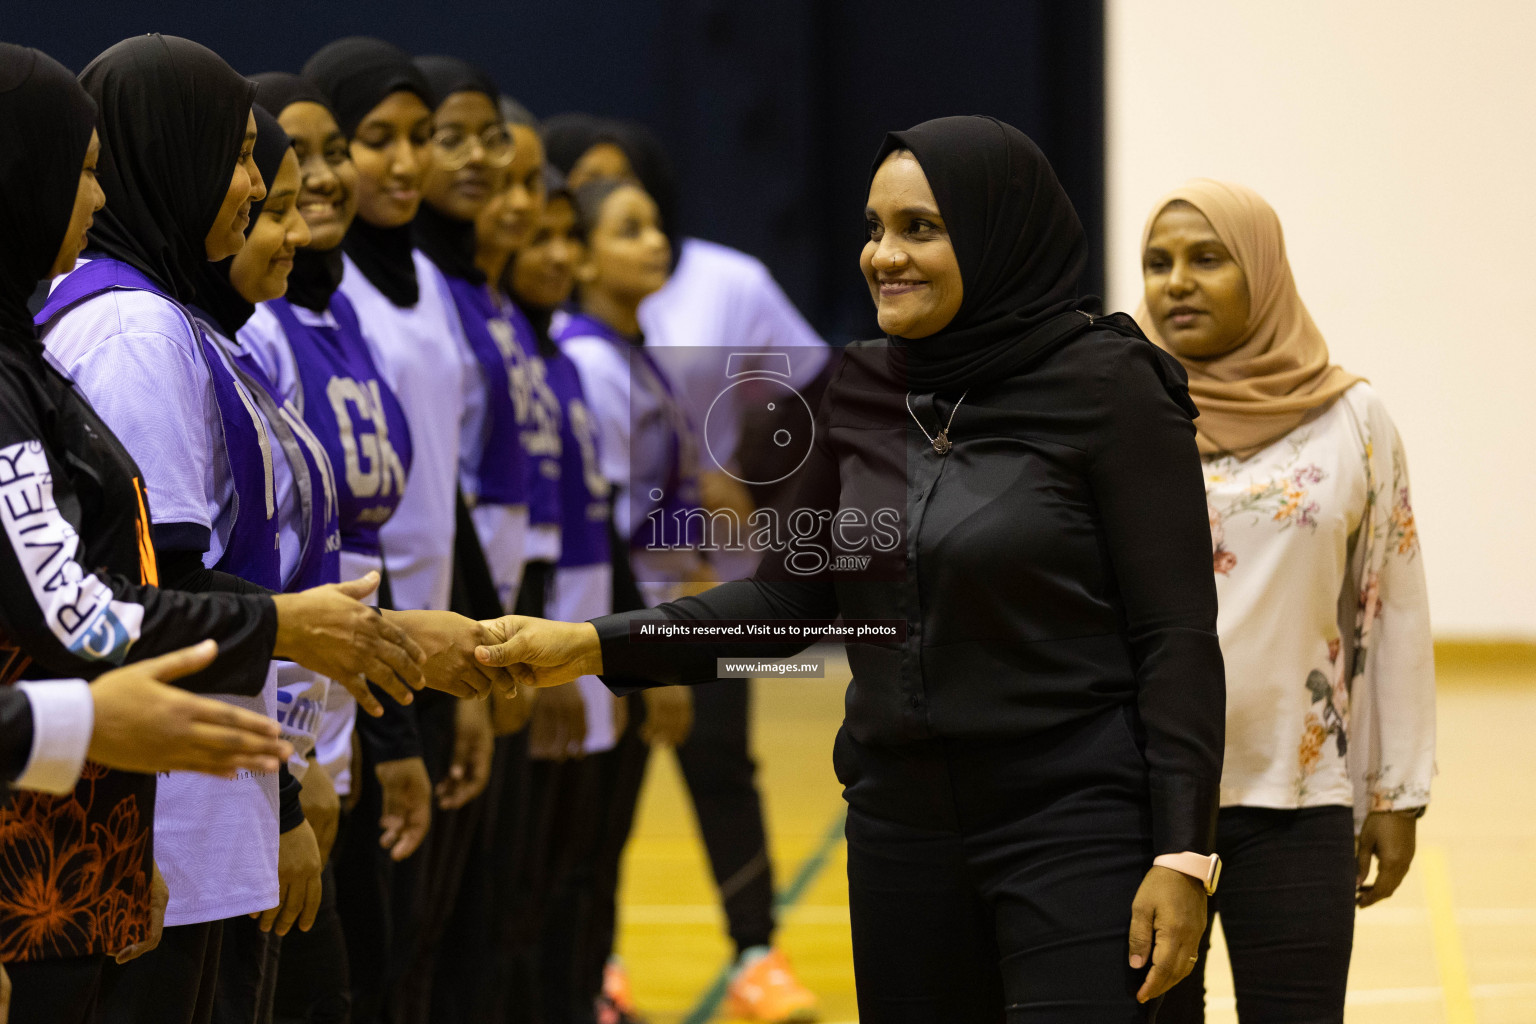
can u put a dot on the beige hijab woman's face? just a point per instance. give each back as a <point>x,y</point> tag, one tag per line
<point>1195,290</point>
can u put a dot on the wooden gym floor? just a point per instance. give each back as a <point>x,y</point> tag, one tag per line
<point>1456,944</point>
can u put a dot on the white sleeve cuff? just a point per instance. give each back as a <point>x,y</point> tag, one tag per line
<point>63,715</point>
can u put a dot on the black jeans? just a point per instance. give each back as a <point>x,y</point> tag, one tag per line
<point>1287,906</point>
<point>993,882</point>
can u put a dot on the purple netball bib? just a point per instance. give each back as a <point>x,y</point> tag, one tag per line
<point>503,472</point>
<point>250,552</point>
<point>356,418</point>
<point>540,424</point>
<point>584,510</point>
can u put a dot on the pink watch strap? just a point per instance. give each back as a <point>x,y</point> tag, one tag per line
<point>1205,867</point>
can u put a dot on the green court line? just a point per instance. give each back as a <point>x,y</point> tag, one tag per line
<point>810,868</point>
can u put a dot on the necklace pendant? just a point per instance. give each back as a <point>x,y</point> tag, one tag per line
<point>942,444</point>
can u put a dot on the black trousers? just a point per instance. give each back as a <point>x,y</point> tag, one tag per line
<point>313,986</point>
<point>1287,906</point>
<point>993,882</point>
<point>248,963</point>
<point>56,991</point>
<point>364,877</point>
<point>721,775</point>
<point>175,983</point>
<point>426,885</point>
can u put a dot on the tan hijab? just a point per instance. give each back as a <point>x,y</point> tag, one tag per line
<point>1278,373</point>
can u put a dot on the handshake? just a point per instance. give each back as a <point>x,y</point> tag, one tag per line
<point>142,724</point>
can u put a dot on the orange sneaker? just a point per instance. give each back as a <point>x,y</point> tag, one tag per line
<point>616,988</point>
<point>765,989</point>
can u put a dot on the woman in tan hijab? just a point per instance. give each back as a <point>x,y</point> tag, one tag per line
<point>1324,618</point>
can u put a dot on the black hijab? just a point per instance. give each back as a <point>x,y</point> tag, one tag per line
<point>173,119</point>
<point>316,273</point>
<point>1021,249</point>
<point>567,136</point>
<point>216,294</point>
<point>653,168</point>
<point>45,124</point>
<point>357,74</point>
<point>448,241</point>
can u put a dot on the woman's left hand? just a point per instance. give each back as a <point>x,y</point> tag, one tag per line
<point>1391,837</point>
<point>1170,908</point>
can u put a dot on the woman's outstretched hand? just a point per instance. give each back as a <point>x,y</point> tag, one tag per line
<point>541,652</point>
<point>1167,920</point>
<point>329,629</point>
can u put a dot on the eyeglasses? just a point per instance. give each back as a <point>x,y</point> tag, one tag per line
<point>456,147</point>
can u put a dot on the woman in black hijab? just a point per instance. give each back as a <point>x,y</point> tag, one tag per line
<point>1045,714</point>
<point>78,881</point>
<point>180,178</point>
<point>358,75</point>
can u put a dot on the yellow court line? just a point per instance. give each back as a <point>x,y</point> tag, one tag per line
<point>1459,1007</point>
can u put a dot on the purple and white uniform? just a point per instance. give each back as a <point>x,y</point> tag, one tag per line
<point>583,583</point>
<point>320,364</point>
<point>166,386</point>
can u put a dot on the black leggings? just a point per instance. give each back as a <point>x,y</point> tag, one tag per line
<point>1287,905</point>
<point>992,882</point>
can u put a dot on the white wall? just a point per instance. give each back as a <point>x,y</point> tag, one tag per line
<point>1397,141</point>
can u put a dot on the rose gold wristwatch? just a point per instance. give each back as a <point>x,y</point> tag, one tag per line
<point>1206,867</point>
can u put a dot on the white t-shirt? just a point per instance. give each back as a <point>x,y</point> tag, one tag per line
<point>422,355</point>
<point>1324,617</point>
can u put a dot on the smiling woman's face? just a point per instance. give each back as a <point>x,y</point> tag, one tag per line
<point>391,149</point>
<point>328,195</point>
<point>88,199</point>
<point>1195,291</point>
<point>227,233</point>
<point>627,255</point>
<point>260,271</point>
<point>909,262</point>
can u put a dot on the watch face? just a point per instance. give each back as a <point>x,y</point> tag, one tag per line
<point>765,399</point>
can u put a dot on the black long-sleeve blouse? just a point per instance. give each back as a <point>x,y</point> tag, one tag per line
<point>1056,563</point>
<point>77,598</point>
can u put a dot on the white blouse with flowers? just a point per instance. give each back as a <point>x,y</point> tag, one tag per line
<point>1324,617</point>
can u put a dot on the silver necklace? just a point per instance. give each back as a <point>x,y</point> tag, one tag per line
<point>941,444</point>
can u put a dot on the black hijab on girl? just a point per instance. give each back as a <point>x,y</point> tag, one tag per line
<point>448,242</point>
<point>173,120</point>
<point>1021,249</point>
<point>46,121</point>
<point>216,295</point>
<point>653,169</point>
<point>568,136</point>
<point>316,273</point>
<point>357,74</point>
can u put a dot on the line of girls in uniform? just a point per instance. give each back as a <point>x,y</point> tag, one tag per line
<point>311,346</point>
<point>323,341</point>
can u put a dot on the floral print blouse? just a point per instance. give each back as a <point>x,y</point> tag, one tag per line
<point>1324,617</point>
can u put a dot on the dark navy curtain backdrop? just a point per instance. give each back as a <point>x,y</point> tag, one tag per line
<point>772,109</point>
